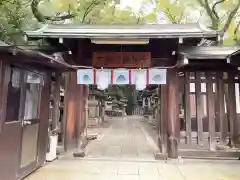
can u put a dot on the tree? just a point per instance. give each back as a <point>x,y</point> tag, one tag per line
<point>215,14</point>
<point>83,12</point>
<point>222,15</point>
<point>165,11</point>
<point>14,17</point>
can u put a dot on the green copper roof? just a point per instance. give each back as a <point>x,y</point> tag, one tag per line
<point>122,31</point>
<point>209,52</point>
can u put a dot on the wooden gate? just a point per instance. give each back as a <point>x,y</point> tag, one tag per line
<point>209,114</point>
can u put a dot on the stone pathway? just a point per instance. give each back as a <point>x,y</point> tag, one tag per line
<point>125,151</point>
<point>124,139</point>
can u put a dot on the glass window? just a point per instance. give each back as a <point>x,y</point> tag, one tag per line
<point>14,96</point>
<point>32,101</point>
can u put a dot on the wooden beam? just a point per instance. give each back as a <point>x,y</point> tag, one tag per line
<point>44,117</point>
<point>233,122</point>
<point>56,102</point>
<point>187,108</point>
<point>199,108</point>
<point>173,112</point>
<point>70,111</point>
<point>86,93</point>
<point>64,119</point>
<point>162,130</point>
<point>220,108</point>
<point>211,111</point>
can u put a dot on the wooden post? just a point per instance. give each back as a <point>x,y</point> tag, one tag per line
<point>80,121</point>
<point>78,117</point>
<point>211,111</point>
<point>173,112</point>
<point>86,93</point>
<point>162,135</point>
<point>56,102</point>
<point>199,108</point>
<point>70,112</point>
<point>187,108</point>
<point>220,108</point>
<point>232,113</point>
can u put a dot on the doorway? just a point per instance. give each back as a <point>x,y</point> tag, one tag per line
<point>19,137</point>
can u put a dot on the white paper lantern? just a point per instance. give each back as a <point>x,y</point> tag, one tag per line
<point>85,76</point>
<point>103,78</point>
<point>121,76</point>
<point>140,79</point>
<point>157,76</point>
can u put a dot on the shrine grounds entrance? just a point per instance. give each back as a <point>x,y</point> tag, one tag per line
<point>121,132</point>
<point>186,120</point>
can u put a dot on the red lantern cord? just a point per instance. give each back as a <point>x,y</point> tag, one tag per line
<point>94,76</point>
<point>112,74</point>
<point>148,76</point>
<point>130,76</point>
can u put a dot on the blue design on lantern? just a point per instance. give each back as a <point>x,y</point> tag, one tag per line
<point>157,78</point>
<point>86,78</point>
<point>121,79</point>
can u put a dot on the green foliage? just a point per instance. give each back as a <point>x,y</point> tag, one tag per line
<point>223,16</point>
<point>217,15</point>
<point>17,15</point>
<point>14,14</point>
<point>103,12</point>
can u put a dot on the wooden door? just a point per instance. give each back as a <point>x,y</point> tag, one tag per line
<point>30,121</point>
<point>19,125</point>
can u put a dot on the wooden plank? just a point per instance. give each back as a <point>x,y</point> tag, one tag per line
<point>122,59</point>
<point>1,93</point>
<point>173,112</point>
<point>232,114</point>
<point>220,108</point>
<point>187,109</point>
<point>210,111</point>
<point>199,108</point>
<point>70,111</point>
<point>209,154</point>
<point>86,93</point>
<point>162,133</point>
<point>56,102</point>
<point>64,119</point>
<point>44,117</point>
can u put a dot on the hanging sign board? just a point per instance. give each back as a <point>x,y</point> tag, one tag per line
<point>121,59</point>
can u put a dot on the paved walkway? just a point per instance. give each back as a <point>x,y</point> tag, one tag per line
<point>125,139</point>
<point>124,151</point>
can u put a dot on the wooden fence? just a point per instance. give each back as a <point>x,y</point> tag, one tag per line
<point>209,120</point>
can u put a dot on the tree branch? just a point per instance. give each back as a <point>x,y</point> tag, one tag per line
<point>236,29</point>
<point>171,16</point>
<point>211,15</point>
<point>230,17</point>
<point>205,5</point>
<point>89,9</point>
<point>41,18</point>
<point>214,9</point>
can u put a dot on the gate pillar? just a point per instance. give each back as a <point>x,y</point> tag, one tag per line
<point>168,117</point>
<point>173,123</point>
